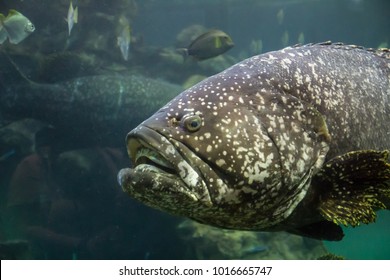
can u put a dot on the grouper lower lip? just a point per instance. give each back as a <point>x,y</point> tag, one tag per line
<point>158,165</point>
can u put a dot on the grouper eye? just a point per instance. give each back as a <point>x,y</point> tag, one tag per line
<point>192,123</point>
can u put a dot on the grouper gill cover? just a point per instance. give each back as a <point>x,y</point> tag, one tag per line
<point>292,140</point>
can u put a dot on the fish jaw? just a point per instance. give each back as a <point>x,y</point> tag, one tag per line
<point>161,173</point>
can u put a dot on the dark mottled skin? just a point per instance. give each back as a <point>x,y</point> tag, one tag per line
<point>100,107</point>
<point>266,127</point>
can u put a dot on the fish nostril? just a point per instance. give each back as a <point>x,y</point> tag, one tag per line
<point>173,122</point>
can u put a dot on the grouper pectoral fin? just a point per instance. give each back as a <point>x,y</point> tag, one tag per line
<point>353,186</point>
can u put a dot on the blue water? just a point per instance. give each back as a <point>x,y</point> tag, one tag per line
<point>366,242</point>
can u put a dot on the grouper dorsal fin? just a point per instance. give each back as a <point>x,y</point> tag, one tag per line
<point>382,52</point>
<point>353,186</point>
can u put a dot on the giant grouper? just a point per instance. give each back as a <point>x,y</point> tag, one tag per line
<point>94,109</point>
<point>292,140</point>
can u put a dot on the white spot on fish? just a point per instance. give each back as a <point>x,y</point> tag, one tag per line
<point>189,176</point>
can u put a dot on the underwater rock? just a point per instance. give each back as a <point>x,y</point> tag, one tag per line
<point>89,173</point>
<point>19,136</point>
<point>61,66</point>
<point>206,242</point>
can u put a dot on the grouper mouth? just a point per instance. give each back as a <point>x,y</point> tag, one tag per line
<point>161,168</point>
<point>146,158</point>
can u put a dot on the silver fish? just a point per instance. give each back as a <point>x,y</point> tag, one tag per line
<point>16,27</point>
<point>292,140</point>
<point>124,38</point>
<point>72,17</point>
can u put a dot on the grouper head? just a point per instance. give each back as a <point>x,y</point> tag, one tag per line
<point>228,152</point>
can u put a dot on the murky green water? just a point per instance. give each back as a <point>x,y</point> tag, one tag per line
<point>69,97</point>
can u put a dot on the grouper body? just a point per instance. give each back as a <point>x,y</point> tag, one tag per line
<point>290,140</point>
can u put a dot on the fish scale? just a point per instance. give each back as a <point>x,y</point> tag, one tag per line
<point>94,108</point>
<point>267,128</point>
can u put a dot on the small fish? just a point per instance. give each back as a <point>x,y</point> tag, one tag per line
<point>301,38</point>
<point>256,47</point>
<point>124,38</point>
<point>208,45</point>
<point>72,16</point>
<point>383,45</point>
<point>280,16</point>
<point>16,27</point>
<point>285,38</point>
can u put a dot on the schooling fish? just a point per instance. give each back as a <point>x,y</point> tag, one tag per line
<point>72,17</point>
<point>208,45</point>
<point>16,27</point>
<point>292,140</point>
